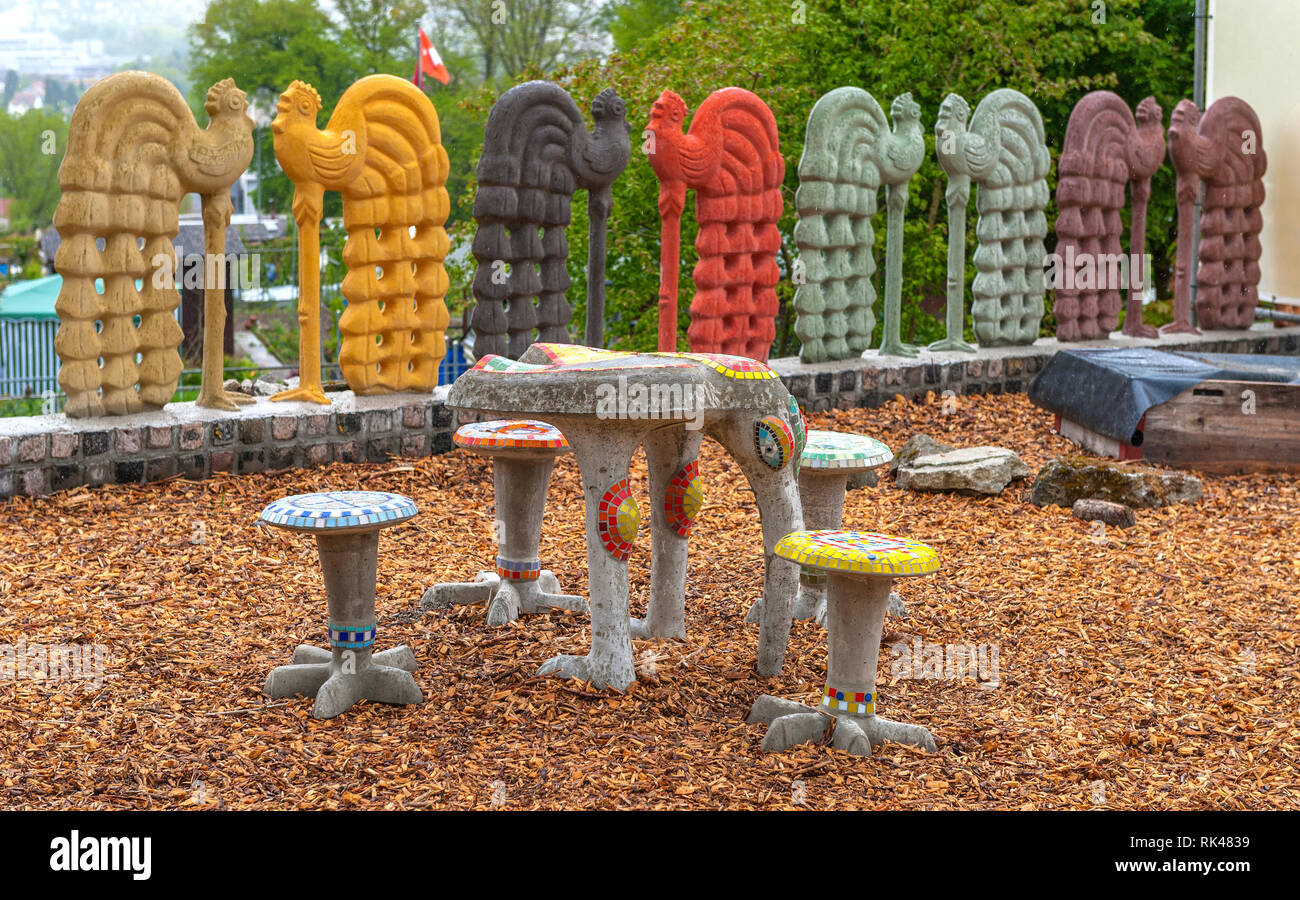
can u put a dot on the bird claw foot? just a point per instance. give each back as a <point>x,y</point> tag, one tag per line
<point>794,729</point>
<point>221,399</point>
<point>954,344</point>
<point>302,394</point>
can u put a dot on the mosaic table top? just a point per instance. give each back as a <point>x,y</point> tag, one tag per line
<point>840,451</point>
<point>506,434</point>
<point>858,553</point>
<point>339,511</point>
<point>571,357</point>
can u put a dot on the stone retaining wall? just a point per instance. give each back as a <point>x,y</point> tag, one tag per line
<point>40,454</point>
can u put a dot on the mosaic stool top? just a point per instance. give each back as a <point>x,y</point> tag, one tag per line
<point>339,511</point>
<point>505,434</point>
<point>858,553</point>
<point>840,451</point>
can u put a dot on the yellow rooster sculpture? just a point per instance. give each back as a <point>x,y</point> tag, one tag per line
<point>382,151</point>
<point>134,150</point>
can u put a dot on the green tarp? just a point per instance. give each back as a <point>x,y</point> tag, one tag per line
<point>32,299</point>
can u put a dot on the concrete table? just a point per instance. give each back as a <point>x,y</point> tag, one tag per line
<point>523,453</point>
<point>346,525</point>
<point>608,403</point>
<point>860,567</point>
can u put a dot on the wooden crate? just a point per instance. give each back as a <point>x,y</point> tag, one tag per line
<point>1227,427</point>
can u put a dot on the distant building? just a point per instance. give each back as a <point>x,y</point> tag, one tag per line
<point>30,97</point>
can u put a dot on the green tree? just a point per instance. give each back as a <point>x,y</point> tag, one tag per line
<point>31,147</point>
<point>632,21</point>
<point>521,34</point>
<point>384,32</point>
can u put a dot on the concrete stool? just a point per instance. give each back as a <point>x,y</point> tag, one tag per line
<point>828,460</point>
<point>860,566</point>
<point>346,525</point>
<point>523,454</point>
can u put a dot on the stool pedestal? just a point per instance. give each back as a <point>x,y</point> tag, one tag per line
<point>521,474</point>
<point>855,613</point>
<point>346,526</point>
<point>349,671</point>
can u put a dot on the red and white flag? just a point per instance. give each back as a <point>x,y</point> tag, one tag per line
<point>429,63</point>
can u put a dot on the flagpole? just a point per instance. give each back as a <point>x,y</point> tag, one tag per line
<point>419,68</point>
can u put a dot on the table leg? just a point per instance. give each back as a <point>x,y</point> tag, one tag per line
<point>668,452</point>
<point>603,450</point>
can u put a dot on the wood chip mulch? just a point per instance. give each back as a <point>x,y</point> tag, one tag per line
<point>1150,668</point>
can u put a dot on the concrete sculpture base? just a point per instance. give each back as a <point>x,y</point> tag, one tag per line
<point>346,525</point>
<point>860,567</point>
<point>523,454</point>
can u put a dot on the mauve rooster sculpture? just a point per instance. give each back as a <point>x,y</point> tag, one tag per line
<point>1223,149</point>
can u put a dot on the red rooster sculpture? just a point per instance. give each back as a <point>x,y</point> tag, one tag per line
<point>732,159</point>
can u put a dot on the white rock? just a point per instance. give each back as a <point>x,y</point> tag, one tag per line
<point>978,470</point>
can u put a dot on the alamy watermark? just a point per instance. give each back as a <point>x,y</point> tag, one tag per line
<point>925,660</point>
<point>674,401</point>
<point>1096,271</point>
<point>53,662</point>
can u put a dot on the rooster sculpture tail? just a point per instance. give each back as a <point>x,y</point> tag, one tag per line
<point>1090,194</point>
<point>1228,278</point>
<point>394,210</point>
<point>836,199</point>
<point>117,217</point>
<point>731,157</point>
<point>1008,289</point>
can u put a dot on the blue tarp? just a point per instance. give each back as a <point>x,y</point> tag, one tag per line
<point>1109,390</point>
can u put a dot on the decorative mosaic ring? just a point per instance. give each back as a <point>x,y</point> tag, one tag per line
<point>618,520</point>
<point>352,637</point>
<point>858,553</point>
<point>684,498</point>
<point>514,570</point>
<point>839,451</point>
<point>339,511</point>
<point>521,434</point>
<point>857,703</point>
<point>774,442</point>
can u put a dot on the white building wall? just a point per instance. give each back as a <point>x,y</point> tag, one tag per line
<point>1253,52</point>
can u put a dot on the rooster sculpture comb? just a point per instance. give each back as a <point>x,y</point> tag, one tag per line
<point>225,96</point>
<point>304,96</point>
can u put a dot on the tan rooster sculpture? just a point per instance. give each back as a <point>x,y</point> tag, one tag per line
<point>134,150</point>
<point>382,151</point>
